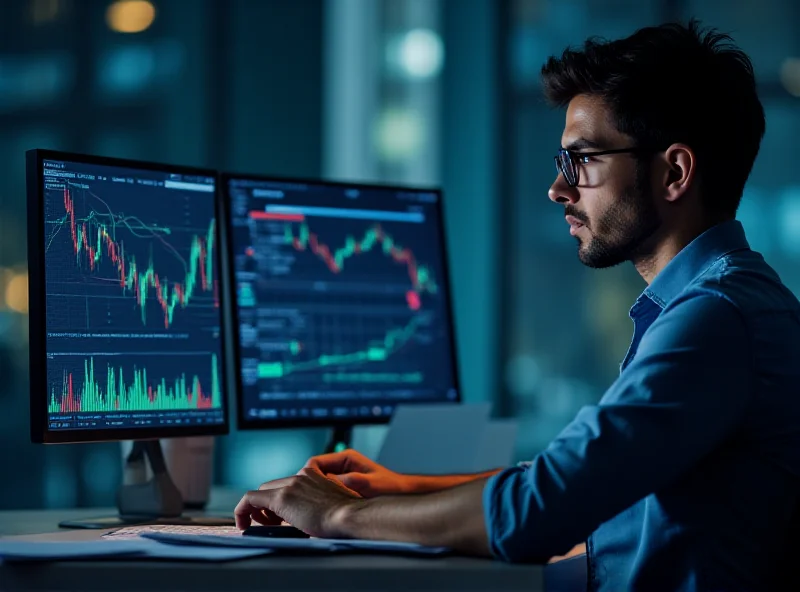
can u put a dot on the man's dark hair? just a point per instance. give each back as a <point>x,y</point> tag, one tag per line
<point>674,83</point>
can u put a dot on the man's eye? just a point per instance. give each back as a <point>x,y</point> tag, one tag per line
<point>584,159</point>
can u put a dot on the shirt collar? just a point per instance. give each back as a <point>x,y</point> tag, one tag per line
<point>694,259</point>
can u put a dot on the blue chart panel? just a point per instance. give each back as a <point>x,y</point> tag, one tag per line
<point>132,308</point>
<point>341,298</point>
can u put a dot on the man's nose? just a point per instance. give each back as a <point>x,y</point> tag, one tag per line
<point>560,192</point>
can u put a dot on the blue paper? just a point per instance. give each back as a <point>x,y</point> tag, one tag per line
<point>158,550</point>
<point>45,550</point>
<point>21,551</point>
<point>309,545</point>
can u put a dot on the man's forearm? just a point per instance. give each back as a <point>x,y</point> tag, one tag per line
<point>450,518</point>
<point>431,483</point>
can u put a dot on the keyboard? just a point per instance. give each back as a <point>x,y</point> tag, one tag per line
<point>132,532</point>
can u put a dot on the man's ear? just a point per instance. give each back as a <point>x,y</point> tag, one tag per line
<point>680,169</point>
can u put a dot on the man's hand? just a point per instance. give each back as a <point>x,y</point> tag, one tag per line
<point>355,471</point>
<point>322,507</point>
<point>308,501</point>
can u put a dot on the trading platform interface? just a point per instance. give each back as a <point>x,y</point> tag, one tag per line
<point>132,298</point>
<point>342,302</point>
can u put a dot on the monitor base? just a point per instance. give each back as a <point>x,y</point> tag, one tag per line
<point>340,439</point>
<point>147,501</point>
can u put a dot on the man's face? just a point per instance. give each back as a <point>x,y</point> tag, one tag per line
<point>611,211</point>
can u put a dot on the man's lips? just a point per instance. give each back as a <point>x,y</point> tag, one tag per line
<point>574,224</point>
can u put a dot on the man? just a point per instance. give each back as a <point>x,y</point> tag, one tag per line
<point>685,475</point>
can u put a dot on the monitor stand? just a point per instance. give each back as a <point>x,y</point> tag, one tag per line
<point>142,501</point>
<point>340,439</point>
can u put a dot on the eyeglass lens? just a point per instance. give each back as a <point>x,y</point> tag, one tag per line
<point>566,166</point>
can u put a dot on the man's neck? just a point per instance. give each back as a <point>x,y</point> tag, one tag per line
<point>665,246</point>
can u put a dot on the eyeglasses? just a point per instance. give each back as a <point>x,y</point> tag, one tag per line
<point>567,162</point>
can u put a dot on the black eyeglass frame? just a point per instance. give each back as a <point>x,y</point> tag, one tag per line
<point>567,165</point>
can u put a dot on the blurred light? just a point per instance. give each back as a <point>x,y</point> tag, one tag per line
<point>130,16</point>
<point>44,11</point>
<point>399,134</point>
<point>523,375</point>
<point>126,69</point>
<point>789,219</point>
<point>34,80</point>
<point>135,67</point>
<point>421,53</point>
<point>790,75</point>
<point>17,293</point>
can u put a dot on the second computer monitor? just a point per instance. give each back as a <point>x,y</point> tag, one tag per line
<point>342,307</point>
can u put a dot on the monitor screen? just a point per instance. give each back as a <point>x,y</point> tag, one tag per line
<point>342,305</point>
<point>125,311</point>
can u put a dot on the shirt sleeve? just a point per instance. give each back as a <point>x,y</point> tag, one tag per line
<point>686,389</point>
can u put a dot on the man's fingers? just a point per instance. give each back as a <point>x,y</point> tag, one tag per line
<point>316,475</point>
<point>272,517</point>
<point>335,462</point>
<point>242,513</point>
<point>266,518</point>
<point>252,501</point>
<point>357,482</point>
<point>259,501</point>
<point>258,517</point>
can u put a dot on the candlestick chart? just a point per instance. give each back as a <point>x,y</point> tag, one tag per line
<point>132,298</point>
<point>99,249</point>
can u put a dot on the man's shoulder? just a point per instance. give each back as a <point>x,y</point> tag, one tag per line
<point>746,281</point>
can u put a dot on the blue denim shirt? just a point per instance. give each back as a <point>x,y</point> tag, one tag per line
<point>685,475</point>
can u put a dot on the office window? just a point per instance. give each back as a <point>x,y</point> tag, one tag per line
<point>383,65</point>
<point>70,79</point>
<point>406,126</point>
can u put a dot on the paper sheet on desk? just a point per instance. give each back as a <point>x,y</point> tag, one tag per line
<point>313,545</point>
<point>11,551</point>
<point>158,550</point>
<point>24,551</point>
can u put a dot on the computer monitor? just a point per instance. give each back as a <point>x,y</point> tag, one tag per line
<point>341,303</point>
<point>125,311</point>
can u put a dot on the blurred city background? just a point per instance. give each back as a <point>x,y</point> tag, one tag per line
<point>434,92</point>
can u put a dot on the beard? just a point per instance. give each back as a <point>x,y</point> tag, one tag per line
<point>619,233</point>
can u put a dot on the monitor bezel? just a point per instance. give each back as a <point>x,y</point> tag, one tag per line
<point>244,423</point>
<point>37,305</point>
